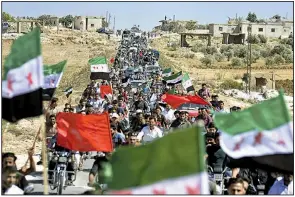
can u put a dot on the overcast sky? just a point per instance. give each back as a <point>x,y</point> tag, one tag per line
<point>148,14</point>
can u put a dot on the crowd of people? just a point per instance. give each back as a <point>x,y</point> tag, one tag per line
<point>138,116</point>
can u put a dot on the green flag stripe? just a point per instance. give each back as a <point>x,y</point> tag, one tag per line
<point>97,60</point>
<point>172,76</point>
<point>185,77</point>
<point>54,69</point>
<point>23,49</point>
<point>160,160</point>
<point>267,115</point>
<point>167,70</point>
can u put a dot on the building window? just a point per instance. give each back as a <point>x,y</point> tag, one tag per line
<point>220,28</point>
<point>92,25</point>
<point>260,29</point>
<point>240,28</point>
<point>273,30</point>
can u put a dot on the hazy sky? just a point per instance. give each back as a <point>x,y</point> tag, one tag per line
<point>147,14</point>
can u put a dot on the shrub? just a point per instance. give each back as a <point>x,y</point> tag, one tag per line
<point>229,54</point>
<point>172,48</point>
<point>226,48</point>
<point>237,62</point>
<point>208,60</point>
<point>278,49</point>
<point>253,39</point>
<point>265,52</point>
<point>240,51</point>
<point>231,84</point>
<point>269,61</point>
<point>219,57</point>
<point>262,38</point>
<point>189,55</point>
<point>255,56</point>
<point>278,59</point>
<point>288,58</point>
<point>199,47</point>
<point>211,50</point>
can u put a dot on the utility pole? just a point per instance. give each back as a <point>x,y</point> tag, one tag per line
<point>109,21</point>
<point>114,24</point>
<point>250,58</point>
<point>107,14</point>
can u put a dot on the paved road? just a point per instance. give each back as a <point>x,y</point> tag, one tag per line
<point>80,185</point>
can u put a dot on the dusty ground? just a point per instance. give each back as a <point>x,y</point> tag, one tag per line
<point>77,48</point>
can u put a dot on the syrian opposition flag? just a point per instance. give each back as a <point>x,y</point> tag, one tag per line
<point>167,72</point>
<point>260,136</point>
<point>52,77</point>
<point>23,79</point>
<point>166,176</point>
<point>176,100</point>
<point>105,90</point>
<point>68,91</point>
<point>125,82</point>
<point>76,131</point>
<point>99,68</point>
<point>173,79</point>
<point>187,83</point>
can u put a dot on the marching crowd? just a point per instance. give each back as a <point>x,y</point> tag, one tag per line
<point>138,116</point>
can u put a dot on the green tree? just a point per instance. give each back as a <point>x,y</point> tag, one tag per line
<point>219,57</point>
<point>229,54</point>
<point>252,17</point>
<point>278,59</point>
<point>7,17</point>
<point>67,20</point>
<point>262,39</point>
<point>191,25</point>
<point>45,18</point>
<point>269,61</point>
<point>253,39</point>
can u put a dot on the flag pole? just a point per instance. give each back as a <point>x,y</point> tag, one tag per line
<point>201,149</point>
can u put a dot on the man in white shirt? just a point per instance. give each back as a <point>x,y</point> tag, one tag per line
<point>150,132</point>
<point>169,113</point>
<point>96,102</point>
<point>283,186</point>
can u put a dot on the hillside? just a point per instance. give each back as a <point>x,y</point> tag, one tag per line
<point>76,47</point>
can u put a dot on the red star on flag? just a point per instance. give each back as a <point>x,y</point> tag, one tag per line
<point>193,190</point>
<point>281,142</point>
<point>159,192</point>
<point>9,84</point>
<point>122,192</point>
<point>237,145</point>
<point>257,139</point>
<point>29,78</point>
<point>52,82</point>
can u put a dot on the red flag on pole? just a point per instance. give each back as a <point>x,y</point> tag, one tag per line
<point>176,100</point>
<point>83,133</point>
<point>104,90</point>
<point>112,60</point>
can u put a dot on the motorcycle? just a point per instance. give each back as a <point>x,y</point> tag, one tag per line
<point>60,173</point>
<point>219,177</point>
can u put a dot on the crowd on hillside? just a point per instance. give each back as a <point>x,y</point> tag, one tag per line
<point>138,116</point>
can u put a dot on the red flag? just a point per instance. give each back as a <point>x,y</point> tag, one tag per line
<point>104,90</point>
<point>84,133</point>
<point>175,100</point>
<point>112,60</point>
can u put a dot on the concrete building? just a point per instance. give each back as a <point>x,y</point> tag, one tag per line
<point>238,33</point>
<point>88,23</point>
